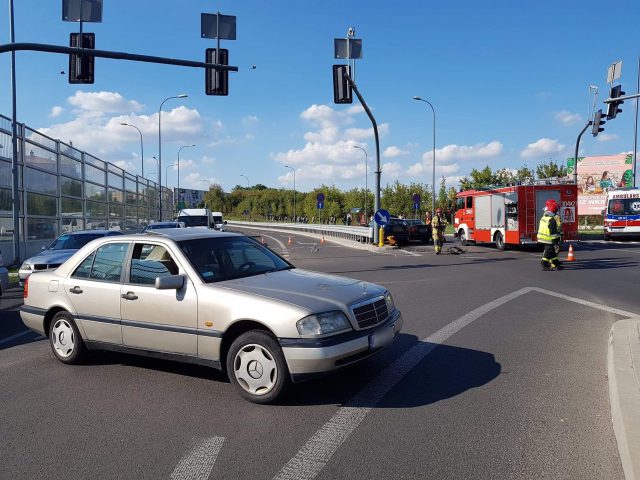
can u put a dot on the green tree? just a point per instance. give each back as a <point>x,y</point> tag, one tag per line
<point>215,198</point>
<point>479,179</point>
<point>550,169</point>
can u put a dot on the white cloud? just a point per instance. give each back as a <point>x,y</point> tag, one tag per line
<point>391,170</point>
<point>184,164</point>
<point>249,120</point>
<point>103,102</point>
<point>567,118</point>
<point>208,160</point>
<point>197,181</point>
<point>542,147</point>
<point>393,151</point>
<point>56,111</point>
<point>360,134</point>
<point>126,165</point>
<point>607,137</point>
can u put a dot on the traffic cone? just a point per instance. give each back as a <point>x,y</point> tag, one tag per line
<point>262,240</point>
<point>290,242</point>
<point>322,239</point>
<point>571,257</point>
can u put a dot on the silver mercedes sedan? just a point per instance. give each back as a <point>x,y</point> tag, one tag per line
<point>213,298</point>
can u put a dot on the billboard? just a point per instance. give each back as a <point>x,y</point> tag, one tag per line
<point>596,176</point>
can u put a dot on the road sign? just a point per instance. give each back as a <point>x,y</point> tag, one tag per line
<point>382,217</point>
<point>416,205</point>
<point>320,197</point>
<point>344,48</point>
<point>210,23</point>
<point>320,205</point>
<point>614,72</point>
<point>82,10</point>
<point>416,198</point>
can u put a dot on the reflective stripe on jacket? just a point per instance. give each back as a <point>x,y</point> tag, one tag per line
<point>548,229</point>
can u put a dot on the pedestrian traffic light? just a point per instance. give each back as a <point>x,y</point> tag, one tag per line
<point>217,81</point>
<point>597,123</point>
<point>612,108</point>
<point>81,66</point>
<point>341,85</point>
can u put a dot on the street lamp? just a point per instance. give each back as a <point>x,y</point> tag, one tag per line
<point>433,179</point>
<point>182,95</point>
<point>295,219</point>
<point>366,187</point>
<point>166,174</point>
<point>247,180</point>
<point>141,144</point>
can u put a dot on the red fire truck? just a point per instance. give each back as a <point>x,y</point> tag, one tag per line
<point>510,215</point>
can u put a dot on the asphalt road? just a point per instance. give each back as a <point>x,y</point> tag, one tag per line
<point>498,373</point>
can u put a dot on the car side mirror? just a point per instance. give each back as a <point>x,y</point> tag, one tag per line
<point>225,222</point>
<point>172,282</point>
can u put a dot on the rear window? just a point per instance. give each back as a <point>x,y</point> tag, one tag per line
<point>73,242</point>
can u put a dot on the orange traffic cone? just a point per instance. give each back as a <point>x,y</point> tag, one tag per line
<point>322,239</point>
<point>571,257</point>
<point>290,242</point>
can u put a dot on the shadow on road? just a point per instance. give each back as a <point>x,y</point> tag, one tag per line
<point>599,264</point>
<point>445,372</point>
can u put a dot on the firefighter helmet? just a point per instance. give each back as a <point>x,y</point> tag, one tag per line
<point>551,206</point>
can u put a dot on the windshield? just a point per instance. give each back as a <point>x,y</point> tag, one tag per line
<point>218,259</point>
<point>195,221</point>
<point>413,222</point>
<point>217,219</point>
<point>624,206</point>
<point>72,242</point>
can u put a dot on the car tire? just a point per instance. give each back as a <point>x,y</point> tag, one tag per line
<point>463,237</point>
<point>607,238</point>
<point>257,368</point>
<point>65,339</point>
<point>499,240</point>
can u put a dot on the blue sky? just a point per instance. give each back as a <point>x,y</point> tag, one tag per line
<point>509,81</point>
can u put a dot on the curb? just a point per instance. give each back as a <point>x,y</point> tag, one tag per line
<point>623,364</point>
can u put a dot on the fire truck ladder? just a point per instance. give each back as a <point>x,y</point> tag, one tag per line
<point>530,214</point>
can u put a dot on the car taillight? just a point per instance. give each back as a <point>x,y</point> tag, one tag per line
<point>25,294</point>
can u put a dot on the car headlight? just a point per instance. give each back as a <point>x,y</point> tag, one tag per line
<point>390,305</point>
<point>323,323</point>
<point>25,266</point>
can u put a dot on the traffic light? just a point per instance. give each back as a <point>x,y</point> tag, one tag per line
<point>81,67</point>
<point>612,108</point>
<point>217,81</point>
<point>341,86</point>
<point>597,123</point>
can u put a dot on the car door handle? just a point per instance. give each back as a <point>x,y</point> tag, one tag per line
<point>129,296</point>
<point>75,289</point>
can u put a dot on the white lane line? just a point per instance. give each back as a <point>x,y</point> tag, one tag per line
<point>15,337</point>
<point>198,463</point>
<point>598,306</point>
<point>319,449</point>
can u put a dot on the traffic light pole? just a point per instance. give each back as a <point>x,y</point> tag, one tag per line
<point>575,158</point>
<point>376,205</point>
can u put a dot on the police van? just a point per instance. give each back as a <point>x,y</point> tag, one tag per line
<point>622,213</point>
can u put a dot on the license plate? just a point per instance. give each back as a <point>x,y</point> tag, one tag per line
<point>381,338</point>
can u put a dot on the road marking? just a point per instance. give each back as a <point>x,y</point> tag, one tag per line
<point>319,449</point>
<point>15,337</point>
<point>198,463</point>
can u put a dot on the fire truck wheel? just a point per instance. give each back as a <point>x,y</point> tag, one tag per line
<point>499,241</point>
<point>462,237</point>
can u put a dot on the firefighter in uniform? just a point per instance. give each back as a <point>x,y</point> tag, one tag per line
<point>438,224</point>
<point>548,235</point>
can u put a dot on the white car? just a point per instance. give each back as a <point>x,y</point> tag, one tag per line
<point>211,298</point>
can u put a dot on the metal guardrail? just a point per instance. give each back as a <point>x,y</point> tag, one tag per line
<point>354,234</point>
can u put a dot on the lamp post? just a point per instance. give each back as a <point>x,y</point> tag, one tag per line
<point>159,184</point>
<point>166,174</point>
<point>180,150</point>
<point>295,219</point>
<point>366,187</point>
<point>247,180</point>
<point>182,95</point>
<point>433,178</point>
<point>124,124</point>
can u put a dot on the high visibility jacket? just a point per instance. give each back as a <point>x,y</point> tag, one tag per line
<point>558,223</point>
<point>548,229</point>
<point>439,223</point>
